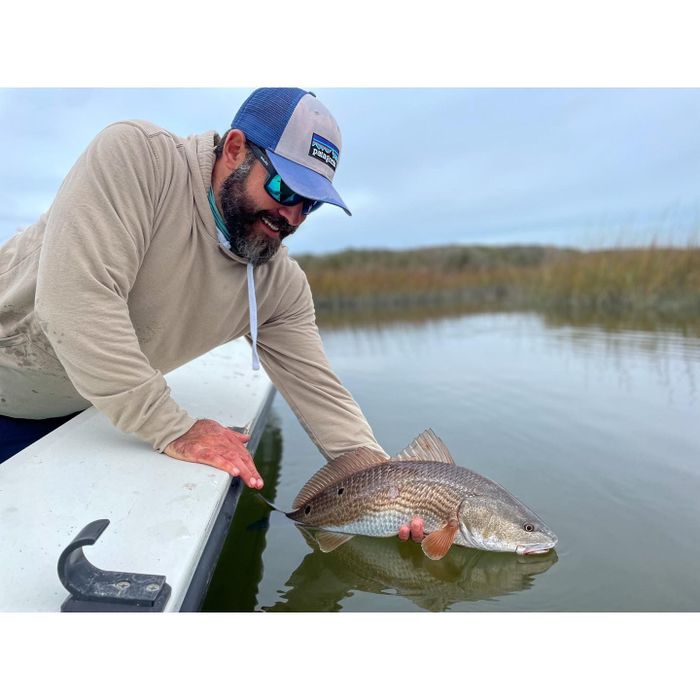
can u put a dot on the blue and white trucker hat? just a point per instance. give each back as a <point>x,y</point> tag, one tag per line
<point>299,135</point>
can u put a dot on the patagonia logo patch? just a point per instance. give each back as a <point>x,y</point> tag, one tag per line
<point>324,150</point>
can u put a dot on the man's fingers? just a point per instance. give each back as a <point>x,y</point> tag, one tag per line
<point>247,465</point>
<point>251,477</point>
<point>209,442</point>
<point>219,461</point>
<point>413,531</point>
<point>235,467</point>
<point>417,529</point>
<point>241,464</point>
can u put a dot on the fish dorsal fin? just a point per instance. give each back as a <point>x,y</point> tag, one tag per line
<point>337,469</point>
<point>427,447</point>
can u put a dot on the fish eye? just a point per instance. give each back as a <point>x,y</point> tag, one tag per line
<point>307,510</point>
<point>340,491</point>
<point>529,527</point>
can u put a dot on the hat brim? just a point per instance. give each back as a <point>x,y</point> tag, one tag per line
<point>306,182</point>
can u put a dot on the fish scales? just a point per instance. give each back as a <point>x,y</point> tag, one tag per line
<point>378,500</point>
<point>362,493</point>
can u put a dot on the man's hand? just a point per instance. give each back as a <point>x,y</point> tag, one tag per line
<point>209,442</point>
<point>414,530</point>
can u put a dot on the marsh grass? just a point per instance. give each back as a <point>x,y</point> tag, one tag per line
<point>664,279</point>
<point>616,280</point>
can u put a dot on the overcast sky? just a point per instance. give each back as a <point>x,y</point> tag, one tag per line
<point>582,167</point>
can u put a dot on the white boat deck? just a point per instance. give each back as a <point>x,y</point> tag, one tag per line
<point>161,510</point>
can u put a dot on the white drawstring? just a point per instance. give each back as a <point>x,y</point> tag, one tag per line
<point>253,308</point>
<point>252,302</point>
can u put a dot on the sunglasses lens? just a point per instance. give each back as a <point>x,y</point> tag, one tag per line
<point>289,196</point>
<point>310,205</point>
<point>281,193</point>
<point>273,187</point>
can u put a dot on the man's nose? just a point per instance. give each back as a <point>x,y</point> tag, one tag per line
<point>293,215</point>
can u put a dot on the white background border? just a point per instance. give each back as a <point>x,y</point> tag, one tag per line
<point>219,44</point>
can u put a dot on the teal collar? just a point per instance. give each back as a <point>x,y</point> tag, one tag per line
<point>220,224</point>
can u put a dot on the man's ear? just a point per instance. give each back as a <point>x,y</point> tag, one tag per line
<point>234,149</point>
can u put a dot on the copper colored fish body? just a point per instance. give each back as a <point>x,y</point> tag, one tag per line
<point>363,493</point>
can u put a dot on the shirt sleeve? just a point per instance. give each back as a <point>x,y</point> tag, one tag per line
<point>291,351</point>
<point>97,233</point>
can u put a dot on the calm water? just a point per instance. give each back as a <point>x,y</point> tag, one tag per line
<point>594,425</point>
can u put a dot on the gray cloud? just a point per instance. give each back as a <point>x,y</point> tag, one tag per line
<point>418,167</point>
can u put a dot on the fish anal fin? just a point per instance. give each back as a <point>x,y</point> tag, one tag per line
<point>438,543</point>
<point>336,470</point>
<point>427,447</point>
<point>328,541</point>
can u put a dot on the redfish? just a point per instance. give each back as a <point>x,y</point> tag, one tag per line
<point>363,493</point>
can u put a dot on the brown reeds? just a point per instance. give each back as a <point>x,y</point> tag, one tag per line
<point>613,280</point>
<point>652,278</point>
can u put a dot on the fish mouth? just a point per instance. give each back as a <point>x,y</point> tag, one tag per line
<point>527,549</point>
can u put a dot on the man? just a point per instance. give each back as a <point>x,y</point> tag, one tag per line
<point>157,249</point>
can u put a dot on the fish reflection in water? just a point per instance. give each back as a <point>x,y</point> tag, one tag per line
<point>391,567</point>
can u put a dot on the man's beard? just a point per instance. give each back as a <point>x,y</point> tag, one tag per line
<point>240,215</point>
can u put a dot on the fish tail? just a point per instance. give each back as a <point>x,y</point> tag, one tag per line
<point>269,503</point>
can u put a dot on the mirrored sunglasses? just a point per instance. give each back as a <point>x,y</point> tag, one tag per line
<point>276,187</point>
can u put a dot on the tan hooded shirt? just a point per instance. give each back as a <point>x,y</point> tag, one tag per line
<point>123,280</point>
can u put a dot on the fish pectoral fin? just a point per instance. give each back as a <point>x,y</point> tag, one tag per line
<point>438,543</point>
<point>328,541</point>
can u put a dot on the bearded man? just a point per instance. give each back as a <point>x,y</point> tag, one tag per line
<point>157,249</point>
